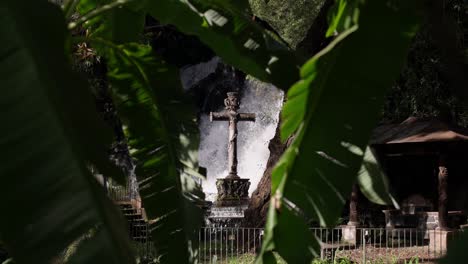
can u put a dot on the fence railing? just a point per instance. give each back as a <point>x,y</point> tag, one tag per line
<point>228,245</point>
<point>345,244</point>
<point>381,245</point>
<point>119,193</point>
<point>139,231</point>
<point>338,245</point>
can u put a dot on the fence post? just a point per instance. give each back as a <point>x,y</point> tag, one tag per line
<point>363,241</point>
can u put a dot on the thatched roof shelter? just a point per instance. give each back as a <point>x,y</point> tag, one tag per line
<point>415,130</point>
<point>418,155</point>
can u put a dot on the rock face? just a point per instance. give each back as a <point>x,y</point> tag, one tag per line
<point>291,19</point>
<point>210,81</point>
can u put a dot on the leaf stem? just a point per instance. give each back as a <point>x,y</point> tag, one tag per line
<point>68,7</point>
<point>97,12</point>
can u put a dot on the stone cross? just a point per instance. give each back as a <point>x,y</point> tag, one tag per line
<point>232,103</point>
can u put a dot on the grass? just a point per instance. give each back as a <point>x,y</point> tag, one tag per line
<point>249,258</point>
<point>246,258</point>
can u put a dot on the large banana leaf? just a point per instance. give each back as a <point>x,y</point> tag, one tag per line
<point>373,181</point>
<point>163,136</point>
<point>332,110</point>
<point>119,24</point>
<point>456,252</point>
<point>49,198</point>
<point>225,26</point>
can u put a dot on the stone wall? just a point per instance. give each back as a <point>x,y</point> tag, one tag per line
<point>422,220</point>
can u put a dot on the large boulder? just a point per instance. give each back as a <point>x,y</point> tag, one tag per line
<point>291,19</point>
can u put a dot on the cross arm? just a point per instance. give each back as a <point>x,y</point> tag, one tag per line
<point>219,116</point>
<point>247,117</point>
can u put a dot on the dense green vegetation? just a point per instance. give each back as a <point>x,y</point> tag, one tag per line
<point>53,137</point>
<point>425,87</point>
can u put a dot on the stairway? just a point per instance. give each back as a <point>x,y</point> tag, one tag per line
<point>138,226</point>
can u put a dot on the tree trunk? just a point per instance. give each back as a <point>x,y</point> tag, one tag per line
<point>255,215</point>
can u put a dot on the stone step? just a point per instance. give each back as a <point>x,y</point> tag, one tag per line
<point>136,232</point>
<point>141,238</point>
<point>137,225</point>
<point>133,216</point>
<point>140,221</point>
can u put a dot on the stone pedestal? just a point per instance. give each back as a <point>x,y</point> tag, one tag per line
<point>232,192</point>
<point>226,216</point>
<point>350,234</point>
<point>421,219</point>
<point>231,202</point>
<point>439,239</point>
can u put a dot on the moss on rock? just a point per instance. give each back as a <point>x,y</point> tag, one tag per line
<point>290,18</point>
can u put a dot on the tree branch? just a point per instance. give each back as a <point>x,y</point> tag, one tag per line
<point>68,7</point>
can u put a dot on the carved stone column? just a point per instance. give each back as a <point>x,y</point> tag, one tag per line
<point>232,145</point>
<point>443,193</point>
<point>353,203</point>
<point>350,234</point>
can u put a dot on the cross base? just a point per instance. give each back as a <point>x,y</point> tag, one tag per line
<point>232,191</point>
<point>233,176</point>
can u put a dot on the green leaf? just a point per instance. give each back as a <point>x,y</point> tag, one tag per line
<point>227,28</point>
<point>456,251</point>
<point>8,261</point>
<point>342,16</point>
<point>332,110</point>
<point>373,182</point>
<point>52,197</point>
<point>117,23</point>
<point>163,137</point>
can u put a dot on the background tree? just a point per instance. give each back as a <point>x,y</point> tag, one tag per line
<point>425,87</point>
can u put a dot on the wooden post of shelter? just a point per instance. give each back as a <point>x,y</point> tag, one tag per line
<point>443,193</point>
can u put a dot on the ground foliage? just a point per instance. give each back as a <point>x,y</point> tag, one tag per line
<point>61,202</point>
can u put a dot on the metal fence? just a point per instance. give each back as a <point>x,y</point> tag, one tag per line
<point>139,231</point>
<point>119,193</point>
<point>338,245</point>
<point>341,245</point>
<point>381,245</point>
<point>228,245</point>
<point>370,245</point>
